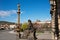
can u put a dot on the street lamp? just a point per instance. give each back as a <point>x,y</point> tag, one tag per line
<point>52,6</point>
<point>51,1</point>
<point>52,16</point>
<point>53,11</point>
<point>56,20</point>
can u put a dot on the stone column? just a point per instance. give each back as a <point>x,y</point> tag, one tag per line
<point>53,17</point>
<point>53,25</point>
<point>59,22</point>
<point>18,14</point>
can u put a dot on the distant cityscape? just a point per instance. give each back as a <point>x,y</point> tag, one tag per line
<point>37,24</point>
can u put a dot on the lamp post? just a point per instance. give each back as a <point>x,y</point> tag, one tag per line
<point>56,21</point>
<point>54,13</point>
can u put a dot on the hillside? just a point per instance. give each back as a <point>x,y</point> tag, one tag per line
<point>6,22</point>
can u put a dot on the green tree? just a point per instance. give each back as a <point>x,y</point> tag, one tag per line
<point>24,26</point>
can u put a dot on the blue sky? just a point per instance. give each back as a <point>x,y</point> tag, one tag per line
<point>30,9</point>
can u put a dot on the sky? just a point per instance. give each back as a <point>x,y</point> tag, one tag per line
<point>30,9</point>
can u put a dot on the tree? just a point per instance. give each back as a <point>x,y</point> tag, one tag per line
<point>24,26</point>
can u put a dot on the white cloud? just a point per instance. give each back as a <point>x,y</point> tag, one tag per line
<point>21,12</point>
<point>7,12</point>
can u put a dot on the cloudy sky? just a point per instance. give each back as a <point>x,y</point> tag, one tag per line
<point>30,9</point>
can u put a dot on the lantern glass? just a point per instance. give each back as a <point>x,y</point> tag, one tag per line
<point>51,2</point>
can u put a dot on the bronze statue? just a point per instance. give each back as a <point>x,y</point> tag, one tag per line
<point>32,29</point>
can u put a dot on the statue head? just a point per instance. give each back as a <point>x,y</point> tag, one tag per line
<point>29,20</point>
